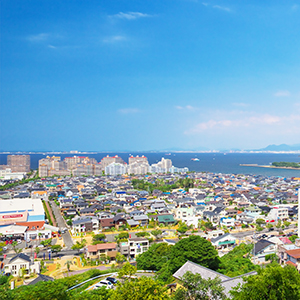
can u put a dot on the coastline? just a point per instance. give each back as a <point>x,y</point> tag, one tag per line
<point>270,167</point>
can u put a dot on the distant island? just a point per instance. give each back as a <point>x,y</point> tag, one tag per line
<point>276,165</point>
<point>284,164</point>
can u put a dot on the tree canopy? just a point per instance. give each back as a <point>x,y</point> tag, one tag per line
<point>194,287</point>
<point>154,258</point>
<point>236,262</point>
<point>193,248</point>
<point>140,289</point>
<point>272,282</point>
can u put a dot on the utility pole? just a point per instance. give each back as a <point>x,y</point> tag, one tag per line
<point>298,212</point>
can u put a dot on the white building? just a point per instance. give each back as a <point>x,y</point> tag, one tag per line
<point>20,262</point>
<point>8,174</point>
<point>115,169</point>
<point>138,168</point>
<point>278,213</point>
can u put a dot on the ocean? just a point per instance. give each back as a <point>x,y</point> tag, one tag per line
<point>228,163</point>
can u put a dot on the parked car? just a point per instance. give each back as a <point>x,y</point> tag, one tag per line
<point>112,280</point>
<point>105,283</point>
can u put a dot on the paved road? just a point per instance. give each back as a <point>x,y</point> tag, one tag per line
<point>30,252</point>
<point>61,224</point>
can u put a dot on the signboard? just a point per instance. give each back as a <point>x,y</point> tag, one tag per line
<point>11,218</point>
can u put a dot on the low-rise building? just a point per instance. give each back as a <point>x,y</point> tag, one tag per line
<point>21,264</point>
<point>133,247</point>
<point>100,250</point>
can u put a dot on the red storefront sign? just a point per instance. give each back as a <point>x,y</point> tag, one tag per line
<point>12,216</point>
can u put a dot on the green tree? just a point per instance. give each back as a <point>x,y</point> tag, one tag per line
<point>153,259</point>
<point>2,244</point>
<point>127,270</point>
<point>14,245</point>
<point>56,248</point>
<point>272,282</point>
<point>120,258</point>
<point>122,236</point>
<point>195,249</point>
<point>68,263</point>
<point>194,287</point>
<point>140,289</point>
<point>260,222</point>
<point>77,246</point>
<point>183,228</point>
<point>293,238</point>
<point>271,257</point>
<point>237,261</point>
<point>98,238</point>
<point>50,290</point>
<point>279,224</point>
<point>156,233</point>
<point>46,243</point>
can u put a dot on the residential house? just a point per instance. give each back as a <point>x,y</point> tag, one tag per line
<point>261,249</point>
<point>106,249</point>
<point>223,241</point>
<point>21,262</point>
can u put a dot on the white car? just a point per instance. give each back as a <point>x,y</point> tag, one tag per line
<point>105,283</point>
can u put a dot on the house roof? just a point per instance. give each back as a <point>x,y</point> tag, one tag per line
<point>197,269</point>
<point>294,253</point>
<point>260,245</point>
<point>41,277</point>
<point>165,218</point>
<point>227,282</point>
<point>21,256</point>
<point>106,246</point>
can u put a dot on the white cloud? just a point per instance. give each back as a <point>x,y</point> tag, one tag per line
<point>283,93</point>
<point>114,39</point>
<point>240,104</point>
<point>295,7</point>
<point>126,111</point>
<point>222,8</point>
<point>131,15</point>
<point>38,37</point>
<point>187,107</point>
<point>251,122</point>
<point>52,47</point>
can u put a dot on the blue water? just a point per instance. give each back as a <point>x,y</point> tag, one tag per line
<point>209,162</point>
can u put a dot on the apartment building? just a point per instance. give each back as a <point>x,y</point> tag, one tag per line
<point>105,161</point>
<point>18,163</point>
<point>138,159</point>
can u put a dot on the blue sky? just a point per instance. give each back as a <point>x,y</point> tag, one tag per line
<point>149,75</point>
